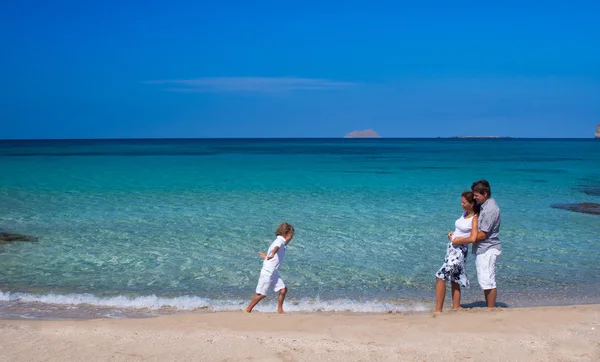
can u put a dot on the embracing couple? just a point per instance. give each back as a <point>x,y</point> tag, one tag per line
<point>479,225</point>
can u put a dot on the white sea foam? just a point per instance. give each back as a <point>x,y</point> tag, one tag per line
<point>189,303</point>
<point>151,302</point>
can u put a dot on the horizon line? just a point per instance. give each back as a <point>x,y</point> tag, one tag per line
<point>290,138</point>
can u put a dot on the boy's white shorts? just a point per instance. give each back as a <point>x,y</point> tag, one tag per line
<point>486,268</point>
<point>268,280</point>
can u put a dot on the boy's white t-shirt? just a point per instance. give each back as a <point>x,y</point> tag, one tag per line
<point>273,265</point>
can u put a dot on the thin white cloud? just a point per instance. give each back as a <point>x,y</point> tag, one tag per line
<point>250,84</point>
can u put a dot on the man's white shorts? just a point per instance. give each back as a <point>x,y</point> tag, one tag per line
<point>486,268</point>
<point>268,280</point>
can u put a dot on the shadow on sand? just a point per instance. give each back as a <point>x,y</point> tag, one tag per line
<point>481,304</point>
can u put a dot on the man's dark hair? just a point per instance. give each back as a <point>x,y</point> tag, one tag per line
<point>482,187</point>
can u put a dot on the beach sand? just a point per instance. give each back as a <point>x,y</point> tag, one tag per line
<point>569,333</point>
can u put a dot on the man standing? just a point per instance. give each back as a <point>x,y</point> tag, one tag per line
<point>487,247</point>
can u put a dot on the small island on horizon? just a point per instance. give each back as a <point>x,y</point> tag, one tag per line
<point>481,137</point>
<point>368,133</point>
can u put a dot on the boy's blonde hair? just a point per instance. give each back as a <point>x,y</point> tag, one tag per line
<point>284,229</point>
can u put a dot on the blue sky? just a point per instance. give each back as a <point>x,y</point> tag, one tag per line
<point>108,69</point>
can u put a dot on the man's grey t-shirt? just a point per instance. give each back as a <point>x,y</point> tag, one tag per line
<point>489,222</point>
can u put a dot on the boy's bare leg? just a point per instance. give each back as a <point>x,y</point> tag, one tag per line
<point>257,298</point>
<point>490,297</point>
<point>440,294</point>
<point>455,296</point>
<point>280,300</point>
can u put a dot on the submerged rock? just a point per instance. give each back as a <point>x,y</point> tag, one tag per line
<point>582,207</point>
<point>9,238</point>
<point>592,190</point>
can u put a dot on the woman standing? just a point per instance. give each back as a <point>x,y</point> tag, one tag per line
<point>453,269</point>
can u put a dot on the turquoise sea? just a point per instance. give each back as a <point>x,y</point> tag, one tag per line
<point>141,227</point>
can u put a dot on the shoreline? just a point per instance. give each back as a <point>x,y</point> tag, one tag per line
<point>565,333</point>
<point>88,312</point>
<point>52,305</point>
<point>88,307</point>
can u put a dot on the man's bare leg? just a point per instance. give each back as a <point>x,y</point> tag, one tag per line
<point>280,300</point>
<point>490,297</point>
<point>257,298</point>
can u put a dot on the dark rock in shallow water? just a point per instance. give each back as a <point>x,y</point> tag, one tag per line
<point>9,238</point>
<point>593,191</point>
<point>583,207</point>
<point>589,185</point>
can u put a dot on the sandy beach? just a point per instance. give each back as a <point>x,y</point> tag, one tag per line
<point>569,333</point>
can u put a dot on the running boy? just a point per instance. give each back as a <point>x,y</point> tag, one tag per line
<point>269,274</point>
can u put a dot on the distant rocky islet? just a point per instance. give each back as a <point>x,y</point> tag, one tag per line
<point>368,133</point>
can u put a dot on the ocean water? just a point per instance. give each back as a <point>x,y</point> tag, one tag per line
<point>143,227</point>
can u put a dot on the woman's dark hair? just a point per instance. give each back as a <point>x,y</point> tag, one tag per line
<point>468,195</point>
<point>482,187</point>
